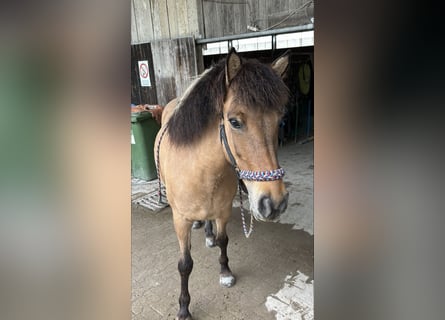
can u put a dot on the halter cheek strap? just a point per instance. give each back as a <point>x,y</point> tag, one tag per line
<point>223,138</point>
<point>268,175</point>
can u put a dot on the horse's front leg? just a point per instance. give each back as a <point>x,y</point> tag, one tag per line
<point>185,265</point>
<point>226,277</point>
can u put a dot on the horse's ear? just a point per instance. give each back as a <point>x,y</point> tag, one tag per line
<point>280,64</point>
<point>233,65</point>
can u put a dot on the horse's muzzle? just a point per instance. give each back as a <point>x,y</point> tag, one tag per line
<point>271,210</point>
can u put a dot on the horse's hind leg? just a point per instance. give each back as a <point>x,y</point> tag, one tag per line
<point>185,265</point>
<point>226,277</point>
<point>210,237</point>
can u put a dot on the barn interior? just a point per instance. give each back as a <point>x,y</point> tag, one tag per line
<point>298,123</point>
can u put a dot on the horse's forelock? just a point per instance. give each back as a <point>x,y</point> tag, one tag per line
<point>255,86</point>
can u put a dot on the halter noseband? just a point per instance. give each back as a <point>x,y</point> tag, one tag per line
<point>268,175</point>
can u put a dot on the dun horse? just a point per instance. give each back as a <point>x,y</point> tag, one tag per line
<point>224,129</point>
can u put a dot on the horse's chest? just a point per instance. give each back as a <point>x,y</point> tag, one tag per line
<point>208,196</point>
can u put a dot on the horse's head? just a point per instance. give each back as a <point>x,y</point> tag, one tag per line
<point>253,108</point>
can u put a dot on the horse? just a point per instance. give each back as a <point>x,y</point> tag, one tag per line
<point>222,131</point>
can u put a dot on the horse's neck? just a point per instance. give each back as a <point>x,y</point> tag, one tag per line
<point>211,154</point>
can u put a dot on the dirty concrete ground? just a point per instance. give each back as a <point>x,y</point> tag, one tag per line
<point>273,268</point>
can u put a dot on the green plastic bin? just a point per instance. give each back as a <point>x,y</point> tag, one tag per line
<point>143,134</point>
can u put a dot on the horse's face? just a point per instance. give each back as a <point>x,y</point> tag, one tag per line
<point>252,134</point>
<point>253,140</point>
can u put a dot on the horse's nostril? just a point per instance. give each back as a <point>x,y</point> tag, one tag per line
<point>283,205</point>
<point>270,210</point>
<point>265,206</point>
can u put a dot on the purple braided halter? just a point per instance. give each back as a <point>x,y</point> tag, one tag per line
<point>269,175</point>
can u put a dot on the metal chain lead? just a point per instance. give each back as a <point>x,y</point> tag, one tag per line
<point>246,233</point>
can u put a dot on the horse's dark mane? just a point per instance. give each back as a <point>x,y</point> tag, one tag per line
<point>256,85</point>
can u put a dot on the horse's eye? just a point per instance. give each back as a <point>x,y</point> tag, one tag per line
<point>235,123</point>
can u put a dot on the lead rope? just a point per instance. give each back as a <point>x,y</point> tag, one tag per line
<point>158,166</point>
<point>246,233</point>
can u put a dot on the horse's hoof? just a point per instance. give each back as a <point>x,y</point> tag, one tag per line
<point>210,242</point>
<point>226,280</point>
<point>197,224</point>
<point>188,318</point>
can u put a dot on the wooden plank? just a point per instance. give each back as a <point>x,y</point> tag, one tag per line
<point>181,18</point>
<point>159,14</point>
<point>281,17</point>
<point>252,12</point>
<point>180,67</point>
<point>142,10</point>
<point>134,30</point>
<point>173,20</point>
<point>263,14</point>
<point>162,62</point>
<point>239,18</point>
<point>228,25</point>
<point>142,95</point>
<point>195,18</point>
<point>186,68</point>
<point>275,14</point>
<point>211,19</point>
<point>285,5</point>
<point>175,67</point>
<point>271,8</point>
<point>135,93</point>
<point>294,4</point>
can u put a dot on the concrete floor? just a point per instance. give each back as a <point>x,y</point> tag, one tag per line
<point>274,267</point>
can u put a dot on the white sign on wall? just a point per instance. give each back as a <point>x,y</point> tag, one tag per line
<point>144,74</point>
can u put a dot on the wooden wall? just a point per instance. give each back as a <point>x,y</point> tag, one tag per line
<point>142,95</point>
<point>170,19</point>
<point>164,32</point>
<point>165,19</point>
<point>228,17</point>
<point>175,67</point>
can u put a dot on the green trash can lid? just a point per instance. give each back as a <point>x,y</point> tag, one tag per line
<point>140,116</point>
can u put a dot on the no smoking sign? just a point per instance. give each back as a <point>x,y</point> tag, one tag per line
<point>144,74</point>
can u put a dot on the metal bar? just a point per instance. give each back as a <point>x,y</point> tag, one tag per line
<point>306,27</point>
<point>229,45</point>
